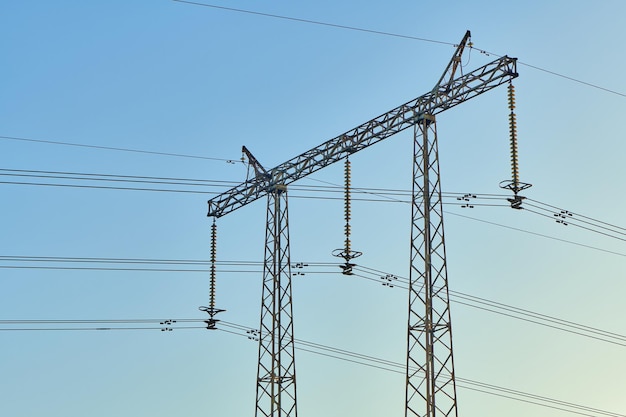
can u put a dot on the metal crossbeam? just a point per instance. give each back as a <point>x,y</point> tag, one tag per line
<point>430,381</point>
<point>382,127</point>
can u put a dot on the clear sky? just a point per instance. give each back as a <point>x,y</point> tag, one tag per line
<point>174,78</point>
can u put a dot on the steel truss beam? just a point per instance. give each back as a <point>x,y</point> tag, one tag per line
<point>276,375</point>
<point>382,127</point>
<point>430,384</point>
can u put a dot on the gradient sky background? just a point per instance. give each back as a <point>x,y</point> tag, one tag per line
<point>169,77</point>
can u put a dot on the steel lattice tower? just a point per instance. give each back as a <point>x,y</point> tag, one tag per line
<point>430,385</point>
<point>276,375</point>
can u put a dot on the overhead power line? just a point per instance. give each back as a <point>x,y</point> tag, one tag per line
<point>395,35</point>
<point>567,218</point>
<point>110,148</point>
<point>168,325</point>
<point>83,180</point>
<point>328,191</point>
<point>315,22</point>
<point>303,268</point>
<point>397,367</point>
<point>507,310</point>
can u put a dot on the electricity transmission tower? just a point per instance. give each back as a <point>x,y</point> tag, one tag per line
<point>430,382</point>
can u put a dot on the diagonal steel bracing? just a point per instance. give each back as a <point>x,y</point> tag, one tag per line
<point>276,375</point>
<point>430,385</point>
<point>373,131</point>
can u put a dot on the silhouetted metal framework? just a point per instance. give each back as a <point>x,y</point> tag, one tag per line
<point>430,387</point>
<point>276,375</point>
<point>430,384</point>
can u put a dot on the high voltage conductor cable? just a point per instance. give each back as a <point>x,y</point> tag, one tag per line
<point>396,367</point>
<point>21,258</point>
<point>577,225</point>
<point>397,35</point>
<point>565,325</point>
<point>314,22</point>
<point>379,192</point>
<point>495,304</point>
<point>101,321</point>
<point>563,216</point>
<point>554,407</point>
<point>88,329</point>
<point>389,280</point>
<point>588,84</point>
<point>179,181</point>
<point>96,187</point>
<point>110,148</point>
<point>506,310</point>
<point>601,224</point>
<point>334,188</point>
<point>537,234</point>
<point>556,74</point>
<point>562,325</point>
<point>566,217</point>
<point>99,187</point>
<point>74,268</point>
<point>103,187</point>
<point>577,214</point>
<point>111,177</point>
<point>336,353</point>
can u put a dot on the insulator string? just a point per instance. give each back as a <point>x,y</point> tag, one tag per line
<point>213,259</point>
<point>513,136</point>
<point>347,253</point>
<point>211,310</point>
<point>347,173</point>
<point>514,184</point>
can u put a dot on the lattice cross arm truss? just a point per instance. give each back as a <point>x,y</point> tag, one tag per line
<point>382,127</point>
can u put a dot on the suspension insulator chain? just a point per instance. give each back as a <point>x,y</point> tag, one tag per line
<point>513,137</point>
<point>347,253</point>
<point>211,310</point>
<point>213,257</point>
<point>347,174</point>
<point>514,184</point>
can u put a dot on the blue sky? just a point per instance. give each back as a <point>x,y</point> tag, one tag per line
<point>169,77</point>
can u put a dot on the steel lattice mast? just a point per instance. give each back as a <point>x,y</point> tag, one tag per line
<point>276,375</point>
<point>430,389</point>
<point>430,383</point>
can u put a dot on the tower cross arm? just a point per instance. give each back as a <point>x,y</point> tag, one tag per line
<point>373,131</point>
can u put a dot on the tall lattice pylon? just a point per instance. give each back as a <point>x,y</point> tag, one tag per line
<point>430,384</point>
<point>430,374</point>
<point>276,375</point>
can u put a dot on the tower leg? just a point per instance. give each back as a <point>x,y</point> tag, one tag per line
<point>430,384</point>
<point>276,376</point>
